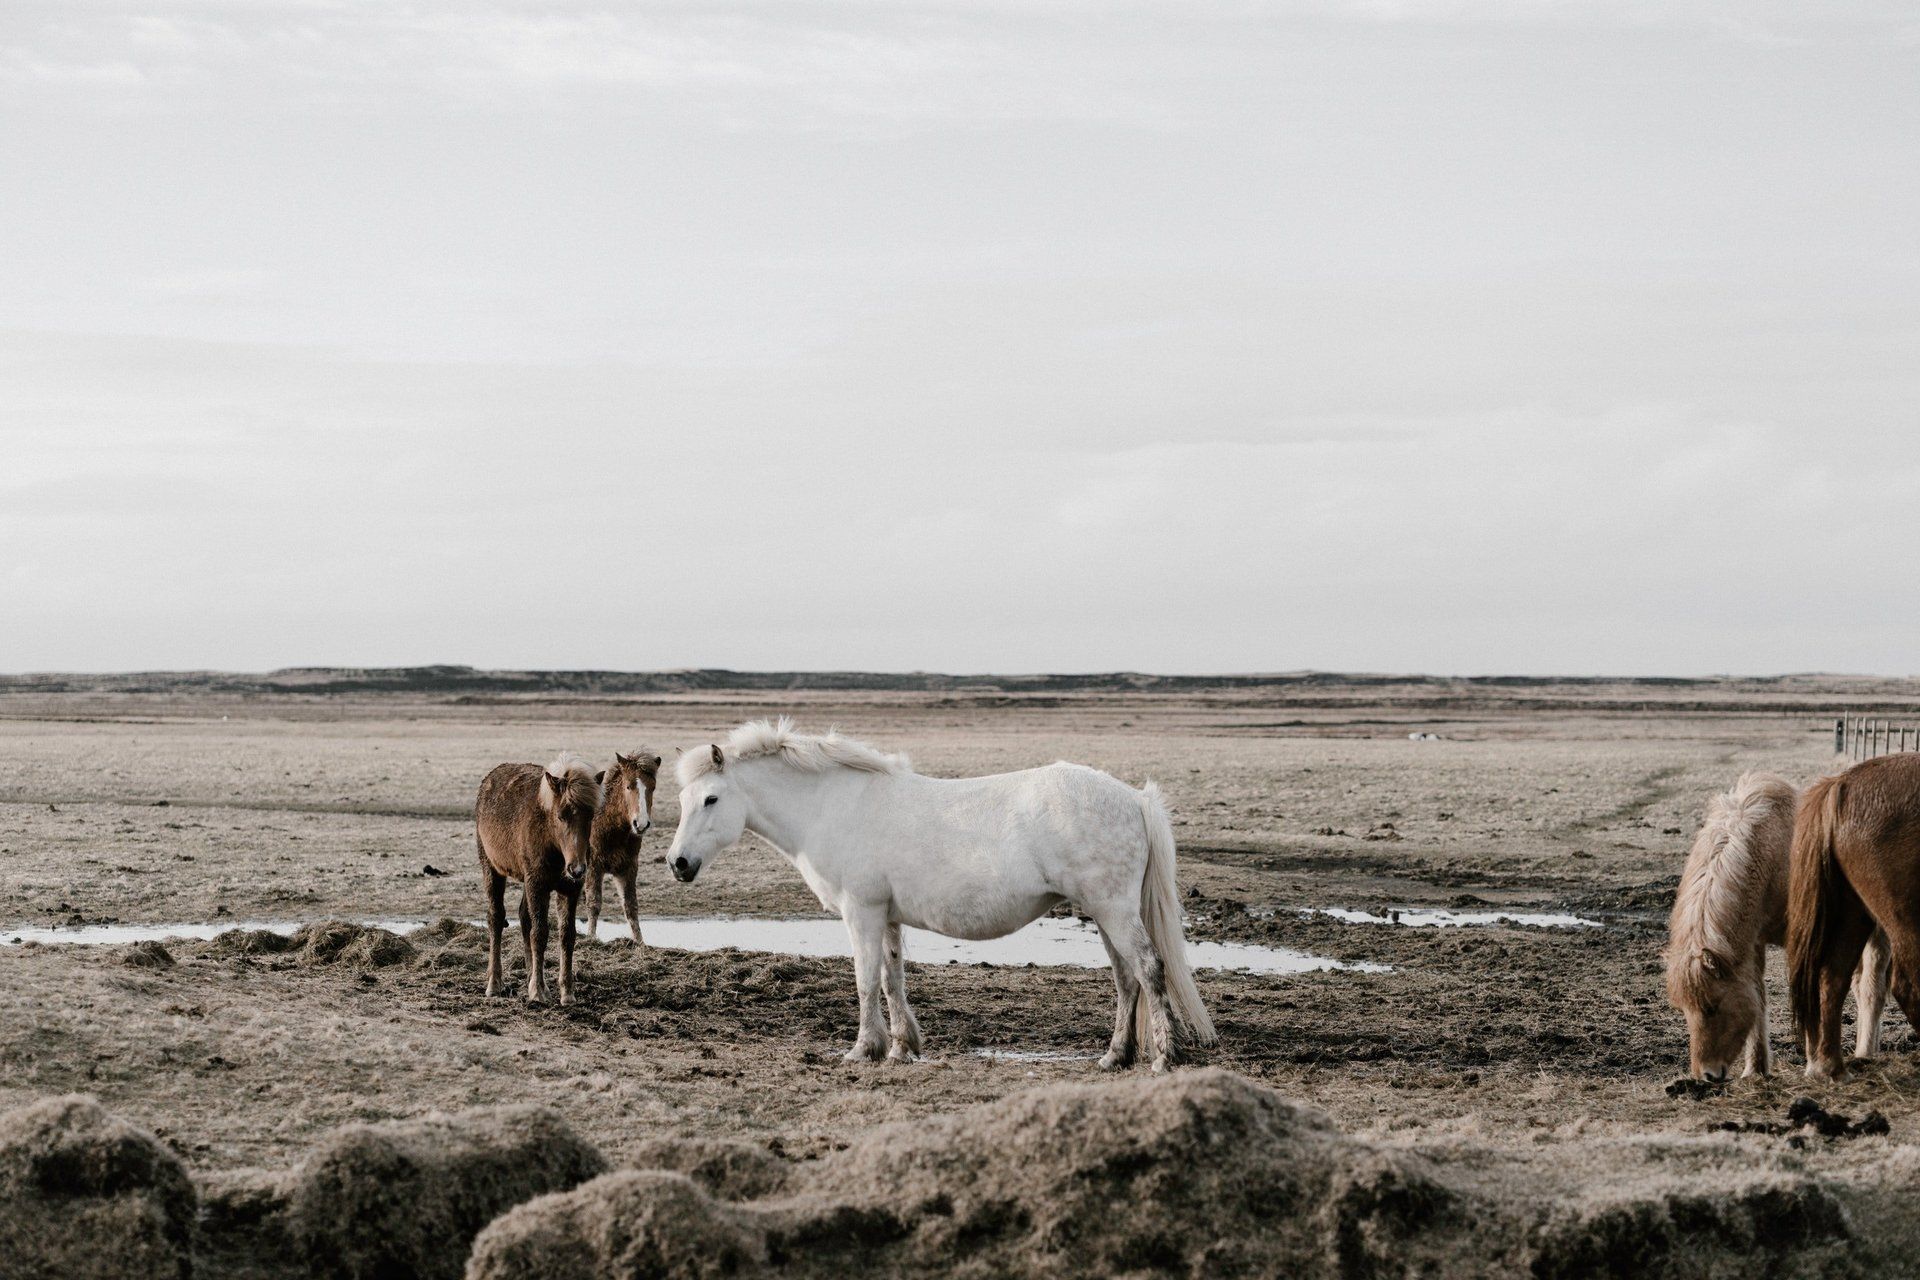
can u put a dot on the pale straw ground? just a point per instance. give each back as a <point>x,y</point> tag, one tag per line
<point>182,807</point>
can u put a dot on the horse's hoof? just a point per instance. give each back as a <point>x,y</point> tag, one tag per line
<point>1111,1061</point>
<point>1161,1065</point>
<point>864,1053</point>
<point>902,1053</point>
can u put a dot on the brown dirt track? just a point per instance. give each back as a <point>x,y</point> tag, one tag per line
<point>1547,1047</point>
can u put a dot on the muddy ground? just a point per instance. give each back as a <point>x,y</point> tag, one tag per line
<point>153,808</point>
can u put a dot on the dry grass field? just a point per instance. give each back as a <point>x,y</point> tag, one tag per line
<point>1528,1062</point>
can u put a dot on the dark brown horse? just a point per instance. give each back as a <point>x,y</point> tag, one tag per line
<point>1856,863</point>
<point>624,817</point>
<point>535,826</point>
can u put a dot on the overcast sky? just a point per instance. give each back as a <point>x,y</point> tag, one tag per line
<point>1482,336</point>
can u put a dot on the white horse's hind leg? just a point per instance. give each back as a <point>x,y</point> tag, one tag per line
<point>903,1029</point>
<point>1127,933</point>
<point>1870,995</point>
<point>1126,994</point>
<point>867,927</point>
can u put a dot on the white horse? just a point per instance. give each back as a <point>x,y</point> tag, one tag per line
<point>968,857</point>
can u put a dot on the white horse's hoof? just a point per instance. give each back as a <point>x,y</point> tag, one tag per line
<point>1111,1061</point>
<point>1161,1064</point>
<point>864,1053</point>
<point>900,1053</point>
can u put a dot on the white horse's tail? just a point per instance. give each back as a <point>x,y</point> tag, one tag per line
<point>1160,908</point>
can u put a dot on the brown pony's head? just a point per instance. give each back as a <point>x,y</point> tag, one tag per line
<point>570,797</point>
<point>1722,1005</point>
<point>628,786</point>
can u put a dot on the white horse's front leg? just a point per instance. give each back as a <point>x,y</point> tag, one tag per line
<point>903,1029</point>
<point>867,927</point>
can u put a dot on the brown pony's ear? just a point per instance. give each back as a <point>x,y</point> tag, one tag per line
<point>556,787</point>
<point>623,759</point>
<point>654,768</point>
<point>1712,963</point>
<point>719,761</point>
<point>601,777</point>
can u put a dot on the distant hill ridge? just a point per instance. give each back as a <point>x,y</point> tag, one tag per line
<point>454,680</point>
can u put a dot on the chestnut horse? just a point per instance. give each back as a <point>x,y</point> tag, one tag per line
<point>623,819</point>
<point>1731,905</point>
<point>1856,863</point>
<point>535,826</point>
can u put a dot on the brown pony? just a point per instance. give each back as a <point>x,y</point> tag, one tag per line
<point>1856,863</point>
<point>1731,905</point>
<point>622,820</point>
<point>535,826</point>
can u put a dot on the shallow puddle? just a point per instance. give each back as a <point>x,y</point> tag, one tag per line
<point>1047,941</point>
<point>1440,918</point>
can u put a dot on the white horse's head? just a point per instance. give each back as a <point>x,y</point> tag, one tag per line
<point>713,815</point>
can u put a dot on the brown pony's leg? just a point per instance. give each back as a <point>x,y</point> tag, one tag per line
<point>496,885</point>
<point>1851,930</point>
<point>569,904</point>
<point>526,934</point>
<point>1759,1052</point>
<point>594,877</point>
<point>1905,948</point>
<point>537,980</point>
<point>628,881</point>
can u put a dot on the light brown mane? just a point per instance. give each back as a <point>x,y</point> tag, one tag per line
<point>1714,911</point>
<point>582,788</point>
<point>762,739</point>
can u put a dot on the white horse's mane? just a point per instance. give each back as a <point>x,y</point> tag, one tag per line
<point>760,739</point>
<point>1712,911</point>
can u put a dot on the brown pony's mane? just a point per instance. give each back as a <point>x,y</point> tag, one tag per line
<point>1712,922</point>
<point>582,788</point>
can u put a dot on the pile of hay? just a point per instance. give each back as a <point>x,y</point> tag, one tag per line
<point>325,942</point>
<point>1203,1173</point>
<point>406,1198</point>
<point>85,1194</point>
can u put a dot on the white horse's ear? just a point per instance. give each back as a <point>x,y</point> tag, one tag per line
<point>719,761</point>
<point>601,777</point>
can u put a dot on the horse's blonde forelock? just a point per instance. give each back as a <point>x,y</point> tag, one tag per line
<point>582,787</point>
<point>1712,910</point>
<point>811,753</point>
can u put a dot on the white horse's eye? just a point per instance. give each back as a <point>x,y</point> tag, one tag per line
<point>713,800</point>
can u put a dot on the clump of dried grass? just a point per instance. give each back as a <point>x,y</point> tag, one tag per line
<point>85,1194</point>
<point>407,1197</point>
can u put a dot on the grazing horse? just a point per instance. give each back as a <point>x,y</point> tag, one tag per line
<point>1732,904</point>
<point>535,826</point>
<point>1856,864</point>
<point>624,817</point>
<point>967,857</point>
